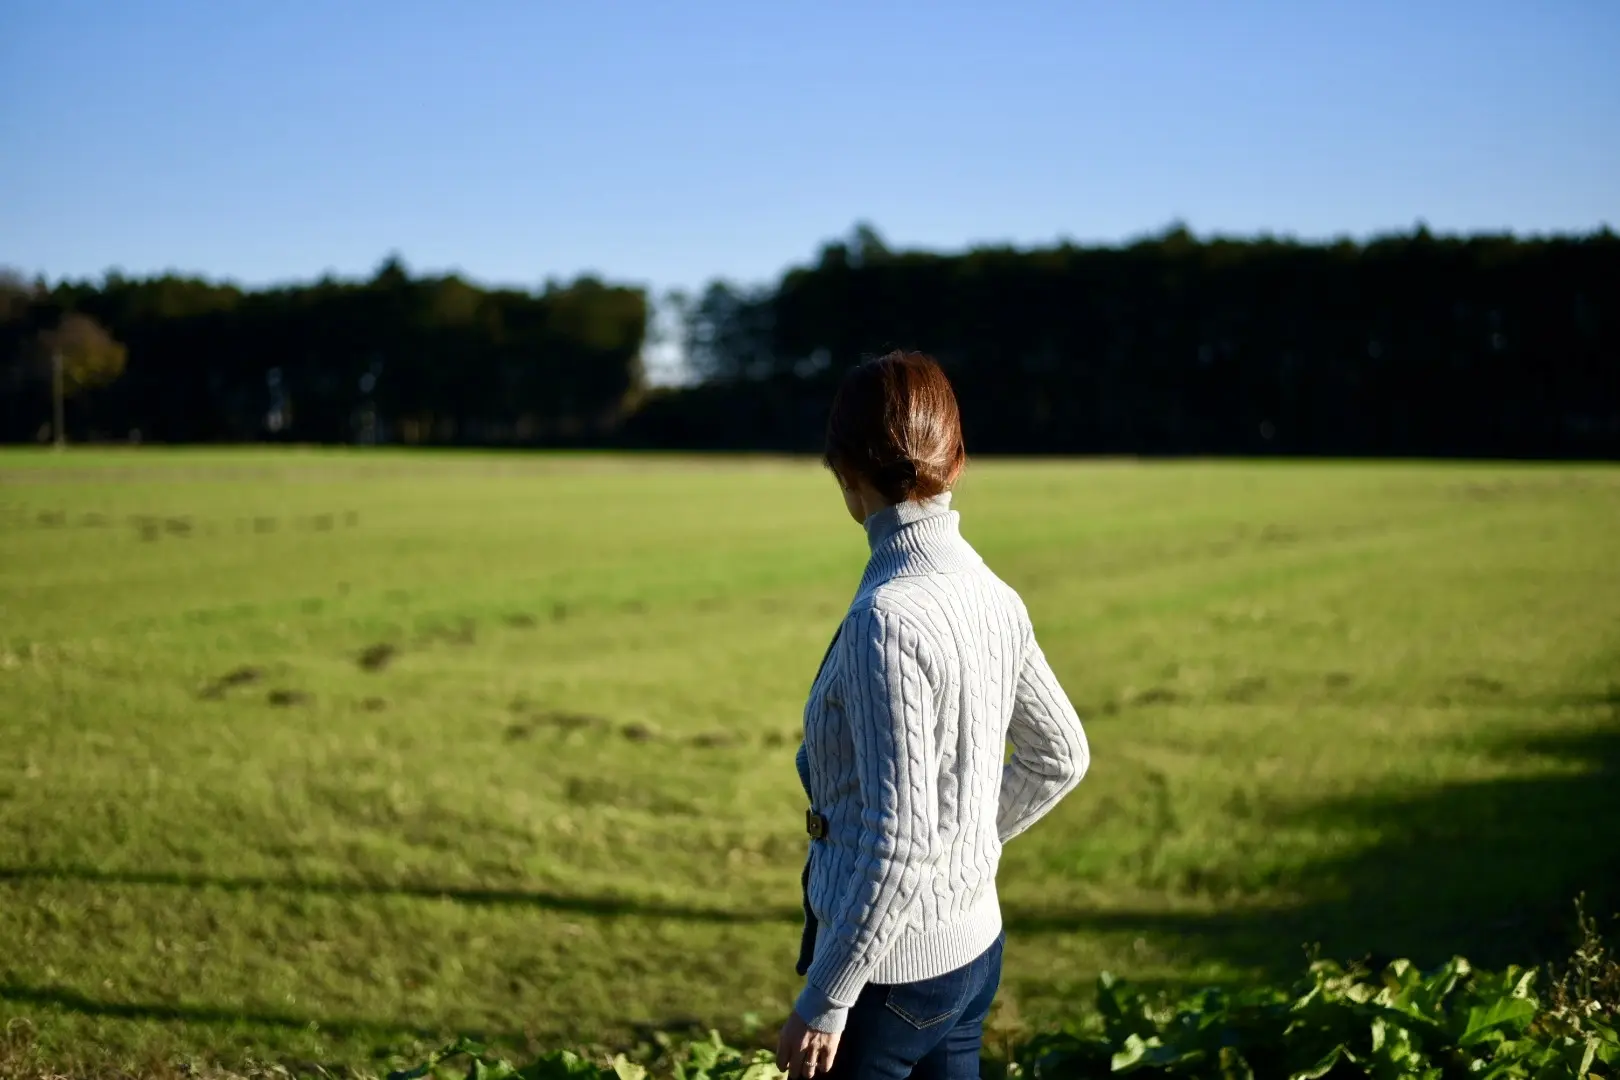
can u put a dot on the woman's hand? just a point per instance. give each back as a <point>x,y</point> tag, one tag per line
<point>802,1051</point>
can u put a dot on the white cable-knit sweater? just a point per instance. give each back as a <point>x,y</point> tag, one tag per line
<point>934,669</point>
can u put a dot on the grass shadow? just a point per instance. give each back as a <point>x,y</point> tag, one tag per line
<point>1488,870</point>
<point>607,906</point>
<point>56,997</point>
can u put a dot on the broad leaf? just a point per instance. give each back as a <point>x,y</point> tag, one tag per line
<point>1493,1019</point>
<point>1135,1050</point>
<point>560,1065</point>
<point>1234,1066</point>
<point>1324,1066</point>
<point>499,1069</point>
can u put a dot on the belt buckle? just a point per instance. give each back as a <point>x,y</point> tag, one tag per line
<point>815,824</point>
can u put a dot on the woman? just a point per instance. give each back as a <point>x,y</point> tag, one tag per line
<point>934,668</point>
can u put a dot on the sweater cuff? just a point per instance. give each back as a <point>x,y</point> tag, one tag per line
<point>819,1011</point>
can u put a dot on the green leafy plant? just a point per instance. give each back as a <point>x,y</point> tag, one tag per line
<point>1338,1021</point>
<point>705,1059</point>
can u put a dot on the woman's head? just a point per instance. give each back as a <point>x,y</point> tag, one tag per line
<point>895,429</point>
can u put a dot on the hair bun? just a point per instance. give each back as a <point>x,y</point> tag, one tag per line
<point>895,423</point>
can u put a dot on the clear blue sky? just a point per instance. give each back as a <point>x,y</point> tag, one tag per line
<point>669,143</point>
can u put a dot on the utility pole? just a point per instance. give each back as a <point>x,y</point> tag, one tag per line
<point>56,398</point>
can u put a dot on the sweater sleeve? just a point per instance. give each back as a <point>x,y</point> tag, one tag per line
<point>1050,753</point>
<point>889,704</point>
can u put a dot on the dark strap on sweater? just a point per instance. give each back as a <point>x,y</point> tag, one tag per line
<point>807,939</point>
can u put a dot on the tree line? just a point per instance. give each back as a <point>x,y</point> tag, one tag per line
<point>1175,344</point>
<point>1412,344</point>
<point>390,359</point>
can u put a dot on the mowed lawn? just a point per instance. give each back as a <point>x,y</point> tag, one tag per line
<point>326,755</point>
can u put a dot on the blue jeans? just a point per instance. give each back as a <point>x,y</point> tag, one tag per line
<point>929,1030</point>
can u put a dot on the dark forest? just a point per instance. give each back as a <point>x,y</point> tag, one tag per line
<point>1403,345</point>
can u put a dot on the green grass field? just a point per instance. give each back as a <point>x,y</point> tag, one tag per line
<point>325,755</point>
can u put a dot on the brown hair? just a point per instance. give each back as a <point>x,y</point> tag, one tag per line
<point>895,424</point>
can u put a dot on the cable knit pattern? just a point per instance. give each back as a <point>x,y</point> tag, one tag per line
<point>934,669</point>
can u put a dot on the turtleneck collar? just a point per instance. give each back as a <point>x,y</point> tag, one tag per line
<point>886,522</point>
<point>911,538</point>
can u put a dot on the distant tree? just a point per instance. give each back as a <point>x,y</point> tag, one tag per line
<point>727,333</point>
<point>16,294</point>
<point>89,356</point>
<point>391,272</point>
<point>79,355</point>
<point>17,319</point>
<point>865,245</point>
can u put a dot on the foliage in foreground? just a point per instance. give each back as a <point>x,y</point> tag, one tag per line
<point>710,1059</point>
<point>1336,1022</point>
<point>1339,1022</point>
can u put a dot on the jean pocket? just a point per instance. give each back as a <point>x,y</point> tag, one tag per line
<point>930,1002</point>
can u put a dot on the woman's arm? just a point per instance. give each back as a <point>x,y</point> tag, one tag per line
<point>1050,753</point>
<point>889,702</point>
